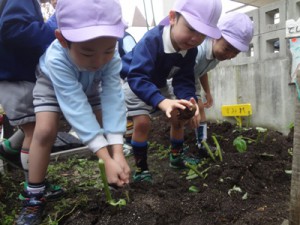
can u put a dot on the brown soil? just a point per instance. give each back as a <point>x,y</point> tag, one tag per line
<point>259,173</point>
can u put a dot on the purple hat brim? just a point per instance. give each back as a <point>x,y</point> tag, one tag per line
<point>92,32</point>
<point>213,32</point>
<point>238,45</point>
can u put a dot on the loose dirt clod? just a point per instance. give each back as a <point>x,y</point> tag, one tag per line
<point>187,113</point>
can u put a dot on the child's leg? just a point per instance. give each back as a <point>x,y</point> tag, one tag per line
<point>10,149</point>
<point>176,136</point>
<point>178,159</point>
<point>43,139</point>
<point>140,146</point>
<point>28,132</point>
<point>139,140</point>
<point>201,131</point>
<point>13,144</point>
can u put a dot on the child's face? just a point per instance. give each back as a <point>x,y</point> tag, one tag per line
<point>93,54</point>
<point>53,3</point>
<point>90,55</point>
<point>222,50</point>
<point>183,36</point>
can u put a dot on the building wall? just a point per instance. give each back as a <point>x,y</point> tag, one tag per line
<point>261,77</point>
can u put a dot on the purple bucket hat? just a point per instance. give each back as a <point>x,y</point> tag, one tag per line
<point>82,20</point>
<point>202,15</point>
<point>237,29</point>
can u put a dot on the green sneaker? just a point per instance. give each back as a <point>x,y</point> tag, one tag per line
<point>142,176</point>
<point>52,192</point>
<point>179,161</point>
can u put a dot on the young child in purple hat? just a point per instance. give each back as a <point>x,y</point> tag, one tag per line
<point>79,76</point>
<point>167,52</point>
<point>237,33</point>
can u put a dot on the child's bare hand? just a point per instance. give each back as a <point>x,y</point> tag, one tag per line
<point>169,105</point>
<point>195,120</point>
<point>116,152</point>
<point>209,101</point>
<point>187,113</point>
<point>121,160</point>
<point>114,172</point>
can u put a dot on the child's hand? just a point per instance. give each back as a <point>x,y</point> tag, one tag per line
<point>169,105</point>
<point>195,120</point>
<point>117,154</point>
<point>117,174</point>
<point>209,101</point>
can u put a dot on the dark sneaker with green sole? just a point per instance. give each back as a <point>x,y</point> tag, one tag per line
<point>32,211</point>
<point>142,176</point>
<point>179,161</point>
<point>52,192</point>
<point>12,158</point>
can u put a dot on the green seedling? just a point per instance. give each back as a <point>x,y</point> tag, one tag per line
<point>210,153</point>
<point>291,126</point>
<point>240,144</point>
<point>218,152</point>
<point>109,199</point>
<point>193,189</point>
<point>202,174</point>
<point>262,134</point>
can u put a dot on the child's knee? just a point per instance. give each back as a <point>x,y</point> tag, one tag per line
<point>45,134</point>
<point>142,124</point>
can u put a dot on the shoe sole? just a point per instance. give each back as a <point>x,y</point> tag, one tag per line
<point>11,163</point>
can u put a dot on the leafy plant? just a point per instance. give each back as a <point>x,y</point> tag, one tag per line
<point>240,144</point>
<point>194,168</point>
<point>110,200</point>
<point>291,126</point>
<point>193,189</point>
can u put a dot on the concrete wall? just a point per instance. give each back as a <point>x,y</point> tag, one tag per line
<point>261,76</point>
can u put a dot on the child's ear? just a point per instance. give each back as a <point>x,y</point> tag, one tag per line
<point>61,38</point>
<point>172,17</point>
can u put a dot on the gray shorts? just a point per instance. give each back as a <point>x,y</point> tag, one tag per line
<point>45,98</point>
<point>136,106</point>
<point>17,101</point>
<point>197,86</point>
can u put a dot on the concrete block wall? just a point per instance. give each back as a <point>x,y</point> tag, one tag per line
<point>293,9</point>
<point>262,75</point>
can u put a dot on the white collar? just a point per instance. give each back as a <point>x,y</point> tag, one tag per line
<point>168,46</point>
<point>209,52</point>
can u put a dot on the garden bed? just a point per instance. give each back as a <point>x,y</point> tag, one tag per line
<point>250,188</point>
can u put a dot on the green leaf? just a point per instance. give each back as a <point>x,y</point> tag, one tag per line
<point>240,144</point>
<point>193,189</point>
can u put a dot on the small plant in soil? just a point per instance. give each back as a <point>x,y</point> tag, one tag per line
<point>109,199</point>
<point>240,144</point>
<point>217,153</point>
<point>262,134</point>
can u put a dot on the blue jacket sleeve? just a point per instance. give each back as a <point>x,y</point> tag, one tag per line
<point>22,24</point>
<point>141,72</point>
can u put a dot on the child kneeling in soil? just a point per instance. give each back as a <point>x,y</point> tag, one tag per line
<point>79,75</point>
